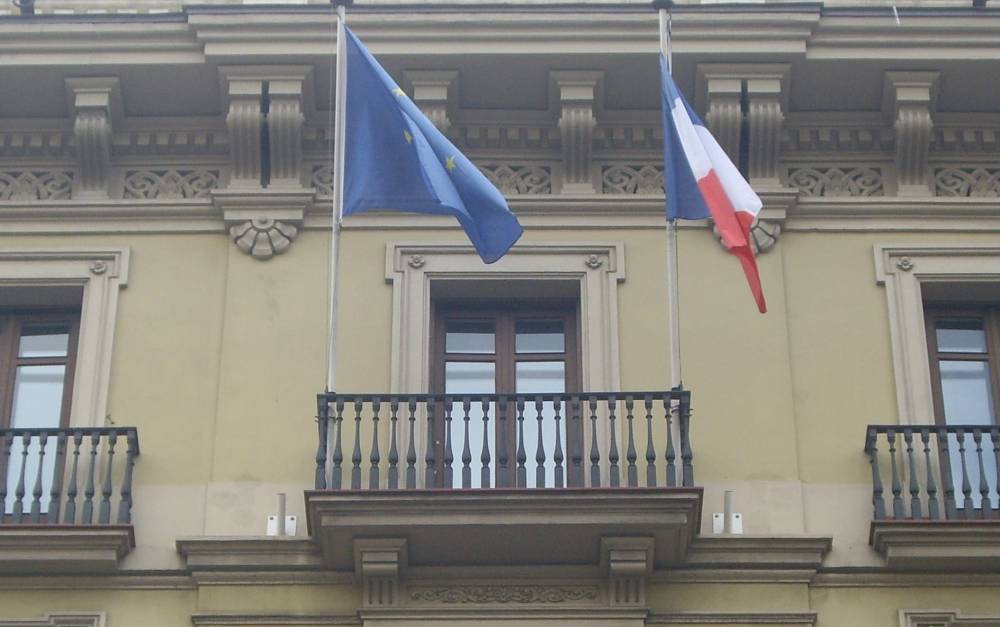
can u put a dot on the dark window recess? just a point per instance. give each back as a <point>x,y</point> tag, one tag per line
<point>265,136</point>
<point>743,158</point>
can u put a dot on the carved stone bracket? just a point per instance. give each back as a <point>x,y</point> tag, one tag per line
<point>94,103</point>
<point>766,229</point>
<point>577,91</point>
<point>723,112</point>
<point>909,101</point>
<point>627,561</point>
<point>264,222</point>
<point>244,119</point>
<point>285,119</point>
<point>380,564</point>
<point>431,92</point>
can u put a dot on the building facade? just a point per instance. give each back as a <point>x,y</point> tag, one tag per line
<point>503,445</point>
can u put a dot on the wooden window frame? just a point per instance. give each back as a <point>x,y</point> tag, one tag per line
<point>991,325</point>
<point>12,321</point>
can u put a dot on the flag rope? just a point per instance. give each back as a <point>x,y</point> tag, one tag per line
<point>673,276</point>
<point>337,210</point>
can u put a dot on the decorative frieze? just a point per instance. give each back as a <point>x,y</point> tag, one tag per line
<point>487,594</point>
<point>577,93</point>
<point>514,136</point>
<point>909,100</point>
<point>632,179</point>
<point>172,184</point>
<point>834,181</point>
<point>92,100</point>
<point>976,182</point>
<point>513,180</point>
<point>28,185</point>
<point>431,90</point>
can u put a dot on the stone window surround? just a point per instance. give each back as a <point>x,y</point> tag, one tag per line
<point>101,272</point>
<point>944,618</point>
<point>903,269</point>
<point>58,619</point>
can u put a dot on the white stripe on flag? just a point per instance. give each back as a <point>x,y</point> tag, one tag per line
<point>741,195</point>
<point>697,158</point>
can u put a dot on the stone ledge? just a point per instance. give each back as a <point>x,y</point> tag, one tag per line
<point>61,549</point>
<point>504,526</point>
<point>249,553</point>
<point>938,545</point>
<point>764,619</point>
<point>759,552</point>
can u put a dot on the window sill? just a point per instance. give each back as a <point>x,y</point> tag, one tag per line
<point>63,549</point>
<point>938,545</point>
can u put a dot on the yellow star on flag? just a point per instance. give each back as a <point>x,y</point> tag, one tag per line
<point>449,163</point>
<point>398,92</point>
<point>407,137</point>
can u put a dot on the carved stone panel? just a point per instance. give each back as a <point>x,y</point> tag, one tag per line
<point>644,178</point>
<point>835,181</point>
<point>513,179</point>
<point>25,185</point>
<point>164,184</point>
<point>974,182</point>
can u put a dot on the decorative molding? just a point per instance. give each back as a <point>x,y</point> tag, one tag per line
<point>48,142</point>
<point>802,619</point>
<point>504,594</point>
<point>765,91</point>
<point>513,135</point>
<point>945,618</point>
<point>29,185</point>
<point>92,102</point>
<point>965,139</point>
<point>835,181</point>
<point>170,183</point>
<point>540,263</point>
<point>321,179</point>
<point>578,98</point>
<point>60,549</point>
<point>804,135</point>
<point>513,180</point>
<point>934,545</point>
<point>263,238</point>
<point>431,92</point>
<point>638,135</point>
<point>975,182</point>
<point>206,553</point>
<point>59,619</point>
<point>632,179</point>
<point>75,267</point>
<point>909,99</point>
<point>903,270</point>
<point>207,138</point>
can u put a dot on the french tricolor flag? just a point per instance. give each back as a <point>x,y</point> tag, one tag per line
<point>700,181</point>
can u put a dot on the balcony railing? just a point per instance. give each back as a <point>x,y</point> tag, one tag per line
<point>934,472</point>
<point>67,476</point>
<point>409,441</point>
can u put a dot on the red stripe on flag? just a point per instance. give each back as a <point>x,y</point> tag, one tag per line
<point>734,227</point>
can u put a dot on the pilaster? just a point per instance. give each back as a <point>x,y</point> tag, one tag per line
<point>431,92</point>
<point>909,101</point>
<point>95,102</point>
<point>577,91</point>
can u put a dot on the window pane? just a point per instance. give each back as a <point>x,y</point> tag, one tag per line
<point>462,336</point>
<point>540,336</point>
<point>38,394</point>
<point>470,378</point>
<point>44,341</point>
<point>538,377</point>
<point>965,386</point>
<point>963,335</point>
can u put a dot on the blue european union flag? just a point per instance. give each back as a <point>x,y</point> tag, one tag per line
<point>397,159</point>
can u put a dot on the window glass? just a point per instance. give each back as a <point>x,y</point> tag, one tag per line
<point>470,337</point>
<point>539,336</point>
<point>44,341</point>
<point>470,378</point>
<point>540,377</point>
<point>962,335</point>
<point>38,394</point>
<point>968,398</point>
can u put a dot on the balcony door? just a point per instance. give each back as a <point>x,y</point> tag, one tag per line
<point>503,347</point>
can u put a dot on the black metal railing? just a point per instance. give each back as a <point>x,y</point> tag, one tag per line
<point>406,441</point>
<point>67,476</point>
<point>934,472</point>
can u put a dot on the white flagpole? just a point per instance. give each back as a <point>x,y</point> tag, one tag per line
<point>339,134</point>
<point>673,278</point>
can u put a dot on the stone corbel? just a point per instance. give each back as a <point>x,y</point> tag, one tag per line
<point>767,97</point>
<point>243,120</point>
<point>719,97</point>
<point>285,119</point>
<point>627,562</point>
<point>909,100</point>
<point>380,564</point>
<point>577,92</point>
<point>95,103</point>
<point>431,92</point>
<point>770,222</point>
<point>263,223</point>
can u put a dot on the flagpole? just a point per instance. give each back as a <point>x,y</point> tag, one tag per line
<point>673,278</point>
<point>337,213</point>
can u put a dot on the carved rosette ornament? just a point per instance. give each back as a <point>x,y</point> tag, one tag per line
<point>263,238</point>
<point>763,236</point>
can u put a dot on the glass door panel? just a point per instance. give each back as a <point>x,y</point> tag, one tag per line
<point>542,377</point>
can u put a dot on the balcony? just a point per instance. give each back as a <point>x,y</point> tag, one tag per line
<point>504,479</point>
<point>934,495</point>
<point>67,498</point>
